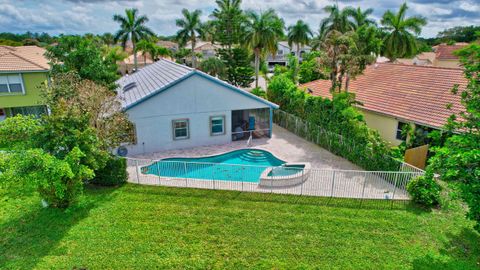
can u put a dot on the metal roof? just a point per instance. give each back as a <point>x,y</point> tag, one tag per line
<point>160,76</point>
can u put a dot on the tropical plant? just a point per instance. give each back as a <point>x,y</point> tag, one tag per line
<point>458,161</point>
<point>132,27</point>
<point>319,38</point>
<point>74,53</point>
<point>262,32</point>
<point>228,18</point>
<point>310,68</point>
<point>213,66</point>
<point>146,47</point>
<point>338,19</point>
<point>360,17</point>
<point>259,92</point>
<point>424,190</point>
<point>190,29</point>
<point>108,39</point>
<point>400,39</point>
<point>299,34</point>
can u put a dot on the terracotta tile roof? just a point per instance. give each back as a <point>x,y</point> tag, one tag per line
<point>445,52</point>
<point>413,93</point>
<point>23,58</point>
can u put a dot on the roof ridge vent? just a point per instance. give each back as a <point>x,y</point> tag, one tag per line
<point>129,86</point>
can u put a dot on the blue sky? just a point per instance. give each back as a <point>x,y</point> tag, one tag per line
<point>95,16</point>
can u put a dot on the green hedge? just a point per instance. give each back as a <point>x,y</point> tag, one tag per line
<point>113,174</point>
<point>333,124</point>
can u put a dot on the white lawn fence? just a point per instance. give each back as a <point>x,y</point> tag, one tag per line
<point>382,185</point>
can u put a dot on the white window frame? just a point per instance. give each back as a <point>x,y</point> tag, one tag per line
<point>174,121</point>
<point>8,84</point>
<point>400,130</point>
<point>217,117</point>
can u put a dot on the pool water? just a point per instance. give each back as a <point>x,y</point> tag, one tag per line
<point>286,170</point>
<point>244,165</point>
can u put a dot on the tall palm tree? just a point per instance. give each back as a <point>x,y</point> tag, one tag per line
<point>132,27</point>
<point>360,17</point>
<point>299,34</point>
<point>337,20</point>
<point>262,32</point>
<point>319,39</point>
<point>191,29</point>
<point>400,41</point>
<point>228,18</point>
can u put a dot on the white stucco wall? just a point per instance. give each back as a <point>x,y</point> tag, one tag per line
<point>195,98</point>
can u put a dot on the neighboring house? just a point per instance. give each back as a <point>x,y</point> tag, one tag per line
<point>204,48</point>
<point>23,70</point>
<point>283,51</point>
<point>422,59</point>
<point>126,66</point>
<point>173,106</point>
<point>392,96</point>
<point>445,57</point>
<point>172,46</point>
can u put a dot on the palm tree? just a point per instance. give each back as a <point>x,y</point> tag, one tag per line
<point>213,66</point>
<point>262,32</point>
<point>400,41</point>
<point>319,39</point>
<point>132,27</point>
<point>360,17</point>
<point>228,18</point>
<point>299,34</point>
<point>191,28</point>
<point>337,20</point>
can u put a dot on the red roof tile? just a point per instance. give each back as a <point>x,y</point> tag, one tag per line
<point>414,93</point>
<point>445,52</point>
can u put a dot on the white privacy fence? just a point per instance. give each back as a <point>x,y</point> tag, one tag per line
<point>280,180</point>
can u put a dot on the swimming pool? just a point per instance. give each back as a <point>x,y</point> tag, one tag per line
<point>245,165</point>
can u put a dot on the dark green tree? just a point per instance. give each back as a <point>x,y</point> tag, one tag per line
<point>228,18</point>
<point>238,70</point>
<point>458,161</point>
<point>74,53</point>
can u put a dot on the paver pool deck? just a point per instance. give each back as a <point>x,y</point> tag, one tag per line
<point>349,180</point>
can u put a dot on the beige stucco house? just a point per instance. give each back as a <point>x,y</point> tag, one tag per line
<point>393,95</point>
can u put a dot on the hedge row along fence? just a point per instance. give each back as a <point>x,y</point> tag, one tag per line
<point>358,153</point>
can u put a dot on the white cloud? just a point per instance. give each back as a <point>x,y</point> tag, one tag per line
<point>81,16</point>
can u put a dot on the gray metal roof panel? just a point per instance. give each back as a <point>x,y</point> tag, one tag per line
<point>150,79</point>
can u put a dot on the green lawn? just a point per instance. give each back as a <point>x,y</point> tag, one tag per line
<point>138,227</point>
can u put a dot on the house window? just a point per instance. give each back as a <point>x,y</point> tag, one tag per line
<point>400,134</point>
<point>180,129</point>
<point>280,52</point>
<point>11,83</point>
<point>217,125</point>
<point>36,111</point>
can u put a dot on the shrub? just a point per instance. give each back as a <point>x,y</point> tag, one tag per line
<point>424,190</point>
<point>113,174</point>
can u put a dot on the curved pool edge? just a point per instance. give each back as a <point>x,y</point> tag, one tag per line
<point>286,180</point>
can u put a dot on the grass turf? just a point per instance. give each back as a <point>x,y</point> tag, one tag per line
<point>141,227</point>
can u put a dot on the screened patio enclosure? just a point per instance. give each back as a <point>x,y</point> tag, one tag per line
<point>254,122</point>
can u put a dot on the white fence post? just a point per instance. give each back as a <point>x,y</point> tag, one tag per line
<point>333,184</point>
<point>136,168</point>
<point>158,171</point>
<point>185,173</point>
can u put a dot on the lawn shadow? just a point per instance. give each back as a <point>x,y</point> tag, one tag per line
<point>25,240</point>
<point>224,195</point>
<point>462,251</point>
